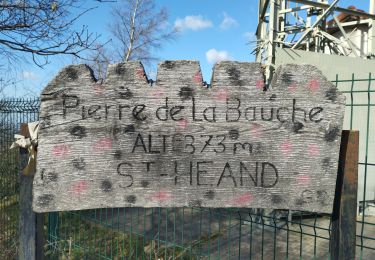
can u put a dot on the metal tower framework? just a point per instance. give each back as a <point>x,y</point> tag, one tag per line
<point>302,25</point>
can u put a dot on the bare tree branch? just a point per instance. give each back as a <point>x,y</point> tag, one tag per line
<point>138,28</point>
<point>43,28</point>
<point>99,60</point>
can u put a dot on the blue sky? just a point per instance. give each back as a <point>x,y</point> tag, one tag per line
<point>210,30</point>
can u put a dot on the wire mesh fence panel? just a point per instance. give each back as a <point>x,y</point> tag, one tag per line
<point>13,112</point>
<point>360,115</point>
<point>194,233</point>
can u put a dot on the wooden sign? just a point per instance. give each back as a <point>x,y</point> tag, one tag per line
<point>126,142</point>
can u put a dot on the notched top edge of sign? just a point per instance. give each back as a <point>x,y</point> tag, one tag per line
<point>305,78</point>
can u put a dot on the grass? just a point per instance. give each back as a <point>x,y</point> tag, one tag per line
<point>79,238</point>
<point>9,230</point>
<point>9,207</point>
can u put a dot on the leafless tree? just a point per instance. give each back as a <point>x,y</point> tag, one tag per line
<point>139,28</point>
<point>42,28</point>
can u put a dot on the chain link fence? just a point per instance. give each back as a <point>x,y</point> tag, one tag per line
<point>191,233</point>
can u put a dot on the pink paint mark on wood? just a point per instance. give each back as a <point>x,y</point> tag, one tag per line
<point>157,92</point>
<point>79,187</point>
<point>242,200</point>
<point>313,150</point>
<point>61,150</point>
<point>292,87</point>
<point>286,147</point>
<point>140,73</point>
<point>161,196</point>
<point>99,89</point>
<point>182,124</point>
<point>255,131</point>
<point>103,144</point>
<point>198,77</point>
<point>303,179</point>
<point>222,94</point>
<point>259,84</point>
<point>314,85</point>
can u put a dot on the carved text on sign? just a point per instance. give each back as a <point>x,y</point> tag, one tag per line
<point>178,143</point>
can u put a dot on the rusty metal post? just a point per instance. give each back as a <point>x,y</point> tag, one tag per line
<point>343,233</point>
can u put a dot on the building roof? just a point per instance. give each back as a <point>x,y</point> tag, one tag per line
<point>343,17</point>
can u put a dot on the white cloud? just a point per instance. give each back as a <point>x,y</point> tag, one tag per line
<point>250,36</point>
<point>192,22</point>
<point>214,56</point>
<point>228,22</point>
<point>29,75</point>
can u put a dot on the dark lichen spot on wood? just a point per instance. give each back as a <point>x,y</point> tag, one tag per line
<point>234,76</point>
<point>210,194</point>
<point>125,93</point>
<point>299,202</point>
<point>129,129</point>
<point>120,69</point>
<point>106,186</point>
<point>45,200</point>
<point>322,197</point>
<point>272,97</point>
<point>131,199</point>
<point>195,203</point>
<point>72,73</point>
<point>331,94</point>
<point>307,196</point>
<point>332,133</point>
<point>326,164</point>
<point>79,163</point>
<point>186,93</point>
<point>277,199</point>
<point>51,176</point>
<point>48,176</point>
<point>168,64</point>
<point>326,161</point>
<point>144,183</point>
<point>117,155</point>
<point>297,127</point>
<point>234,134</point>
<point>286,78</point>
<point>78,131</point>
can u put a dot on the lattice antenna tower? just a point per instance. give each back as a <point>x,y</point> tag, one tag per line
<point>310,26</point>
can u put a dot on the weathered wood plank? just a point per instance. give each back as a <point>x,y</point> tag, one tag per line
<point>123,142</point>
<point>343,235</point>
<point>30,224</point>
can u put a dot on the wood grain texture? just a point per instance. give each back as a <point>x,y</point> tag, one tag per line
<point>124,143</point>
<point>344,215</point>
<point>31,233</point>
